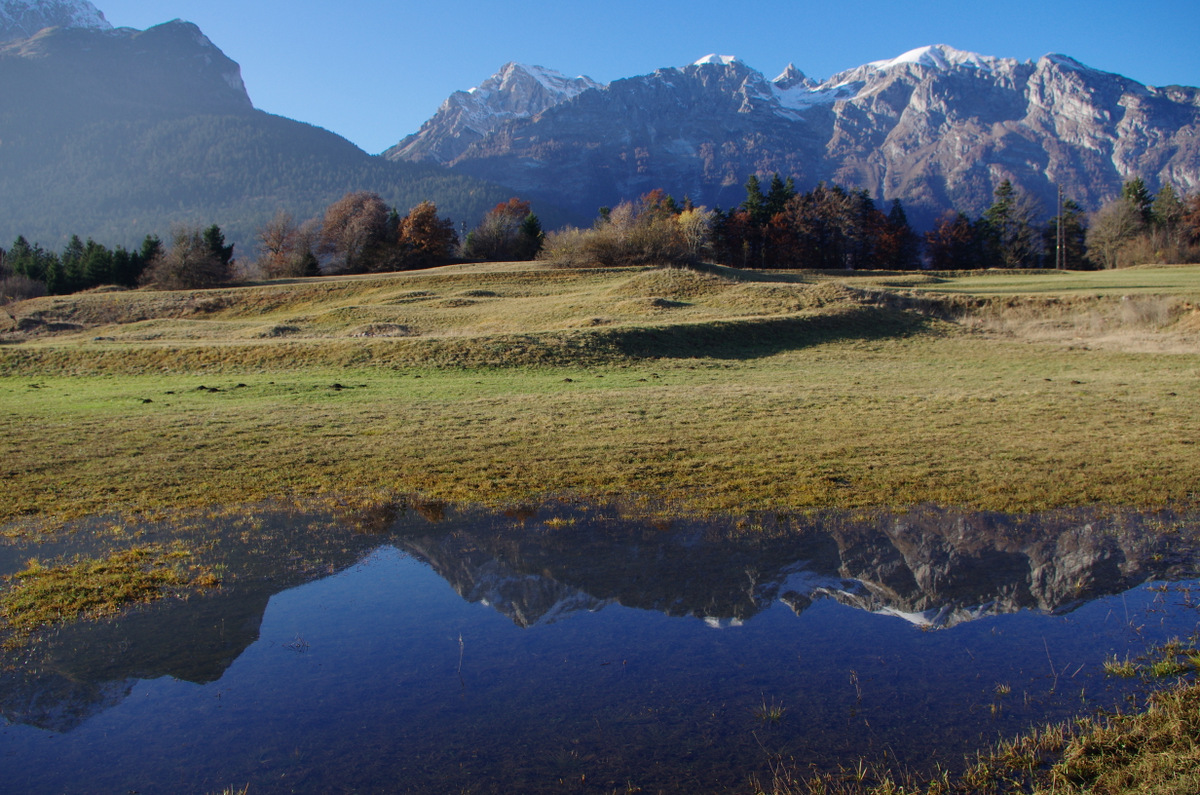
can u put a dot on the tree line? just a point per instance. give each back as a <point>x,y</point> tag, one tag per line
<point>833,227</point>
<point>358,233</point>
<point>828,227</point>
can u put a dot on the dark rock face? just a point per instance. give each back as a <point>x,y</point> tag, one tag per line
<point>937,128</point>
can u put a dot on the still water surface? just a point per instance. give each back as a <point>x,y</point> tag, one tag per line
<point>568,649</point>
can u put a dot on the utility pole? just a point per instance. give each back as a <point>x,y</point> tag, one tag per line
<point>1060,254</point>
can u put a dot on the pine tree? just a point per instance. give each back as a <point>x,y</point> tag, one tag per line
<point>1138,196</point>
<point>532,236</point>
<point>1011,229</point>
<point>778,195</point>
<point>214,239</point>
<point>900,248</point>
<point>97,265</point>
<point>1166,217</point>
<point>72,267</point>
<point>56,283</point>
<point>756,203</point>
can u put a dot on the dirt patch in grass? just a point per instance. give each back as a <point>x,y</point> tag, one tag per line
<point>1131,323</point>
<point>383,330</point>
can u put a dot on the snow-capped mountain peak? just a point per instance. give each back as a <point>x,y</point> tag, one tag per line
<point>940,56</point>
<point>517,91</point>
<point>515,76</point>
<point>718,60</point>
<point>20,19</point>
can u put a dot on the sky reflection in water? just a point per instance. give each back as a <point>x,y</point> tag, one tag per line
<point>605,652</point>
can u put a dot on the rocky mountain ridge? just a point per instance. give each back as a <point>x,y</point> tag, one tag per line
<point>20,19</point>
<point>936,127</point>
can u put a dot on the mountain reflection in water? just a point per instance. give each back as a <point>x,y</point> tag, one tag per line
<point>933,567</point>
<point>539,566</point>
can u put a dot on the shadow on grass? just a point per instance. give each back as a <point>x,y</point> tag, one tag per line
<point>744,339</point>
<point>758,337</point>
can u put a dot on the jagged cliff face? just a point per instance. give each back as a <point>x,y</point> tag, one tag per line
<point>20,19</point>
<point>936,127</point>
<point>514,93</point>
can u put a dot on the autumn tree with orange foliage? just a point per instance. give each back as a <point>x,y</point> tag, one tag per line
<point>361,234</point>
<point>424,239</point>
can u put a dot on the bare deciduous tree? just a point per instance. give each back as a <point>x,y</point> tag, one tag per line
<point>286,250</point>
<point>1112,227</point>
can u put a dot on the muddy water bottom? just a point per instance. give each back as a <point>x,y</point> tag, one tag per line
<point>568,648</point>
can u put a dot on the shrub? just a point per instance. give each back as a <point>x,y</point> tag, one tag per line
<point>15,287</point>
<point>650,232</point>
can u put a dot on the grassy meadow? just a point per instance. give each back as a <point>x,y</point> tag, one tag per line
<point>707,390</point>
<point>713,391</point>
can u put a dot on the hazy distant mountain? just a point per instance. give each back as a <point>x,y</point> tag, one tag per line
<point>114,134</point>
<point>936,127</point>
<point>20,19</point>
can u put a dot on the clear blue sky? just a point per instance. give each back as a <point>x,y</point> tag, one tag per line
<point>373,70</point>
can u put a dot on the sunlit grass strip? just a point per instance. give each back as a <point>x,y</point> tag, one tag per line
<point>42,595</point>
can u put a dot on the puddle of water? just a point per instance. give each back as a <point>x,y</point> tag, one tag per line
<point>568,648</point>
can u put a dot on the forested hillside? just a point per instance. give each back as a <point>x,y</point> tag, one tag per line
<point>117,134</point>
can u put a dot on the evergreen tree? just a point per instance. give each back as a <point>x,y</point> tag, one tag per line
<point>756,203</point>
<point>151,248</point>
<point>532,236</point>
<point>1011,229</point>
<point>97,265</point>
<point>1138,197</point>
<point>56,283</point>
<point>309,266</point>
<point>123,266</point>
<point>71,260</point>
<point>778,195</point>
<point>1166,217</point>
<point>26,260</point>
<point>899,245</point>
<point>214,239</point>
